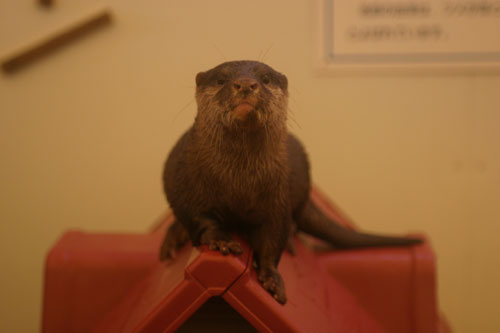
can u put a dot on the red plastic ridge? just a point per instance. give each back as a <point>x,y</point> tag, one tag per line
<point>115,283</point>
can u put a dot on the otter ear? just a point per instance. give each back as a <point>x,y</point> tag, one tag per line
<point>200,77</point>
<point>283,82</point>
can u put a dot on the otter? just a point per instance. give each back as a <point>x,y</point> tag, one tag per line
<point>239,170</point>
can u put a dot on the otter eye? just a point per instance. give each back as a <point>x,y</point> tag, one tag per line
<point>265,79</point>
<point>221,82</point>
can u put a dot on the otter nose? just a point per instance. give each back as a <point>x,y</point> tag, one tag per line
<point>245,85</point>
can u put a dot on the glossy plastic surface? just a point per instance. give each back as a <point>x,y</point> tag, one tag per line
<point>114,283</point>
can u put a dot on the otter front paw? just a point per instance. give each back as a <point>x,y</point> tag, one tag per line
<point>272,282</point>
<point>225,246</point>
<point>218,240</point>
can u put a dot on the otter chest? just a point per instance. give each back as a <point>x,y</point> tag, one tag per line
<point>244,192</point>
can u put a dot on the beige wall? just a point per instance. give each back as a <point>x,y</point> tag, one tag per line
<point>83,135</point>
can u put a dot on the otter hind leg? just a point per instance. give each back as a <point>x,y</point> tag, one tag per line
<point>175,238</point>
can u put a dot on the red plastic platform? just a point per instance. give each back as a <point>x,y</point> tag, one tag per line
<point>114,283</point>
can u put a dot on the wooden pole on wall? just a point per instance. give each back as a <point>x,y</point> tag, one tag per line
<point>59,39</point>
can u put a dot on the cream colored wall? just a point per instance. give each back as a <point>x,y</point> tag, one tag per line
<point>84,132</point>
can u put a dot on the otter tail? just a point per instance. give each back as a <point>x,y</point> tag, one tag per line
<point>315,223</point>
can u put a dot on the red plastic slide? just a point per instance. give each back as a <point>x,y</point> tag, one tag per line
<point>115,283</point>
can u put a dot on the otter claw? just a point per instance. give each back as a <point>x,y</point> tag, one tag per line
<point>225,247</point>
<point>273,283</point>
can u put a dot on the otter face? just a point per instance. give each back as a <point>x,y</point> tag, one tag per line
<point>242,94</point>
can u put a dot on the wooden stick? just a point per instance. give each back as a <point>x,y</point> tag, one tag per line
<point>58,40</point>
<point>46,3</point>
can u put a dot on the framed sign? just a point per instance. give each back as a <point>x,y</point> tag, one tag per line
<point>414,35</point>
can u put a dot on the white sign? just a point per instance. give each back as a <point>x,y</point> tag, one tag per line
<point>458,34</point>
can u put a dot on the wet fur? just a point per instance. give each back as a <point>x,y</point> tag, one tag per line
<point>248,175</point>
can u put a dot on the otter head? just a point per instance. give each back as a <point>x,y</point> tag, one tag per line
<point>241,95</point>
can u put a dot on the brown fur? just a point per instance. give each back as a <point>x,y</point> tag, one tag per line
<point>241,171</point>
